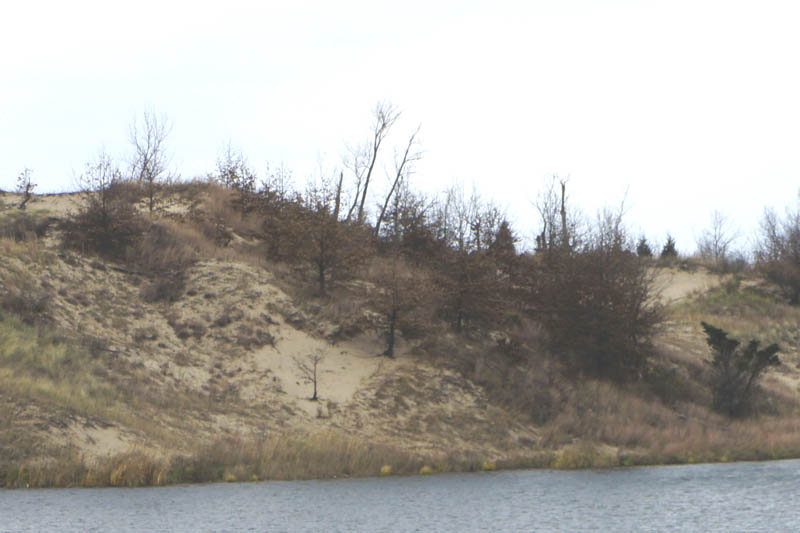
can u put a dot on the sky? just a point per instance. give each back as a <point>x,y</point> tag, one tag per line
<point>678,107</point>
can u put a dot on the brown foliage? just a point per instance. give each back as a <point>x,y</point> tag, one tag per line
<point>108,221</point>
<point>596,308</point>
<point>404,297</point>
<point>475,293</point>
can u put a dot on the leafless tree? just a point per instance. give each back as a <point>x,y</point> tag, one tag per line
<point>309,369</point>
<point>778,251</point>
<point>363,159</point>
<point>402,170</point>
<point>149,162</point>
<point>715,242</point>
<point>559,225</point>
<point>609,232</point>
<point>467,223</point>
<point>96,184</point>
<point>25,186</point>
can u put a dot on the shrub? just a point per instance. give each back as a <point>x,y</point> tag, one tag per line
<point>736,371</point>
<point>596,308</point>
<point>29,304</point>
<point>166,287</point>
<point>591,293</point>
<point>23,227</point>
<point>161,250</point>
<point>107,224</point>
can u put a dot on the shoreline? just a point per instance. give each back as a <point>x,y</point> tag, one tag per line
<point>139,469</point>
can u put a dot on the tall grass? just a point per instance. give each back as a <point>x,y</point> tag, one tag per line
<point>289,456</point>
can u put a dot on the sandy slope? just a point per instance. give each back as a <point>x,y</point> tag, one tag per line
<point>230,345</point>
<point>673,284</point>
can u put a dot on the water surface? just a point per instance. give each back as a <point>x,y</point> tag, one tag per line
<point>726,497</point>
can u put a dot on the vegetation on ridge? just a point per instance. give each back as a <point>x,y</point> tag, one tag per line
<point>565,355</point>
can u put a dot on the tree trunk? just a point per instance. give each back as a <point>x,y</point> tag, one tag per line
<point>314,397</point>
<point>564,229</point>
<point>390,334</point>
<point>321,270</point>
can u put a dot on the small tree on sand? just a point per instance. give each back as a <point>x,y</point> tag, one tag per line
<point>309,370</point>
<point>149,161</point>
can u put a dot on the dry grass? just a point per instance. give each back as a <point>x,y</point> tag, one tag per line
<point>647,432</point>
<point>289,456</point>
<point>82,377</point>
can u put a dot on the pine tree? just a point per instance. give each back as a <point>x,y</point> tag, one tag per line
<point>735,370</point>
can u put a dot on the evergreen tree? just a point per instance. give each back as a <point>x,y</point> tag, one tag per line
<point>736,371</point>
<point>669,251</point>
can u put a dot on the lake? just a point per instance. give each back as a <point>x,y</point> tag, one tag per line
<point>722,497</point>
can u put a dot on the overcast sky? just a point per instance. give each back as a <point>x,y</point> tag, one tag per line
<point>690,106</point>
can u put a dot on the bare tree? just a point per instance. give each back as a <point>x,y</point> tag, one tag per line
<point>778,251</point>
<point>610,232</point>
<point>402,171</point>
<point>715,242</point>
<point>559,226</point>
<point>364,158</point>
<point>25,186</point>
<point>149,161</point>
<point>97,184</point>
<point>309,370</point>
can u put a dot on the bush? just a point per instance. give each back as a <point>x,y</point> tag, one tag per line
<point>596,308</point>
<point>22,227</point>
<point>167,287</point>
<point>736,371</point>
<point>29,304</point>
<point>107,224</point>
<point>161,250</point>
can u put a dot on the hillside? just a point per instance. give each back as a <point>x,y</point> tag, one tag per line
<point>111,373</point>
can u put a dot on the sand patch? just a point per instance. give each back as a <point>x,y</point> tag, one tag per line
<point>673,284</point>
<point>56,205</point>
<point>341,373</point>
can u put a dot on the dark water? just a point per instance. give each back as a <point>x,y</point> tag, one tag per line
<point>730,497</point>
